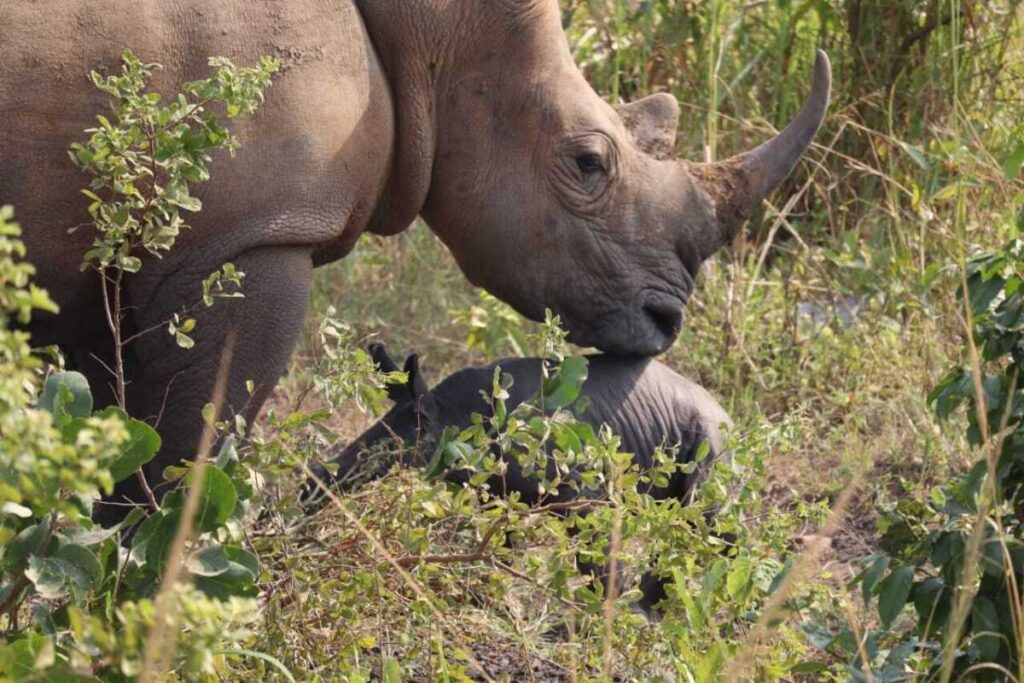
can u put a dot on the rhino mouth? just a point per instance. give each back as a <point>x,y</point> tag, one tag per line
<point>666,318</point>
<point>649,328</point>
<point>659,320</point>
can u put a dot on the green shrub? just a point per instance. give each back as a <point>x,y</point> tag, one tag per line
<point>79,602</point>
<point>424,556</point>
<point>958,557</point>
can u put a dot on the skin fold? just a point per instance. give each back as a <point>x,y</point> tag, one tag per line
<point>469,114</point>
<point>646,403</point>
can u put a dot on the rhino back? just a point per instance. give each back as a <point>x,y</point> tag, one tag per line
<point>313,160</point>
<point>651,405</point>
<point>644,401</point>
<point>468,391</point>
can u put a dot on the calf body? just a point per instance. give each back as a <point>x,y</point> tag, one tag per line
<point>646,403</point>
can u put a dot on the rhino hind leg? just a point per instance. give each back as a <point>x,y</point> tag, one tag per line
<point>255,334</point>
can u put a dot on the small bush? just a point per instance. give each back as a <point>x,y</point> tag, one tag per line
<point>78,601</point>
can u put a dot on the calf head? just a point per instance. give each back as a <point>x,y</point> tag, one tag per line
<point>550,198</point>
<point>414,389</point>
<point>413,419</point>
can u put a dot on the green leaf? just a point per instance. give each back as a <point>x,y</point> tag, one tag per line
<point>781,577</point>
<point>810,668</point>
<point>72,570</point>
<point>27,543</point>
<point>243,557</point>
<point>228,454</point>
<point>991,558</point>
<point>1013,162</point>
<point>131,264</point>
<point>871,576</point>
<point>893,593</point>
<point>713,579</point>
<point>211,561</point>
<point>564,387</point>
<point>951,392</point>
<point>695,610</point>
<point>237,576</point>
<point>217,500</point>
<point>763,572</point>
<point>158,543</point>
<point>183,340</point>
<point>210,414</point>
<point>817,634</point>
<point>917,155</point>
<point>66,395</point>
<point>738,584</point>
<point>263,657</point>
<point>18,659</point>
<point>931,600</point>
<point>566,438</point>
<point>98,534</point>
<point>985,628</point>
<point>142,446</point>
<point>392,671</point>
<point>84,560</point>
<point>983,293</point>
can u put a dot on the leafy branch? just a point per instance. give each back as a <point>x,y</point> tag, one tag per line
<point>143,163</point>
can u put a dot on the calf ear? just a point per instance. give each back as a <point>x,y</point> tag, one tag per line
<point>399,393</point>
<point>427,410</point>
<point>379,353</point>
<point>415,384</point>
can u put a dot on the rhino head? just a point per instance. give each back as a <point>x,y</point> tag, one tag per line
<point>547,196</point>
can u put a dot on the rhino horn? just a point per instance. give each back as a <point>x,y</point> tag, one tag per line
<point>738,185</point>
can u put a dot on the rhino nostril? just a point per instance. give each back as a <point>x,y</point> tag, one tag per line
<point>668,319</point>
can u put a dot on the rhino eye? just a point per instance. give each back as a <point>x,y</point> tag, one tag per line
<point>589,163</point>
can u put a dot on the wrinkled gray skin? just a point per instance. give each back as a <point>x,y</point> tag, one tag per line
<point>469,113</point>
<point>646,403</point>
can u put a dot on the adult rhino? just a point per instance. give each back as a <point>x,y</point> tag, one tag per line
<point>469,113</point>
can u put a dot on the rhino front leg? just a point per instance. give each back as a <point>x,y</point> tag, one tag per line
<point>256,334</point>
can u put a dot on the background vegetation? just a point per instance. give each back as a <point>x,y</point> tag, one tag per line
<point>823,331</point>
<point>825,327</point>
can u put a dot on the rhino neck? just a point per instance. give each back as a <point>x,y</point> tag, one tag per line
<point>409,43</point>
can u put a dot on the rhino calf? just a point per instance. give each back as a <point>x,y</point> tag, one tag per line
<point>646,403</point>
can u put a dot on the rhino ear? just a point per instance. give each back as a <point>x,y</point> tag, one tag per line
<point>652,122</point>
<point>427,409</point>
<point>398,393</point>
<point>415,384</point>
<point>379,353</point>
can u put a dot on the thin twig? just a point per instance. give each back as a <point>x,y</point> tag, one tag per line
<point>466,558</point>
<point>161,640</point>
<point>150,498</point>
<point>612,590</point>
